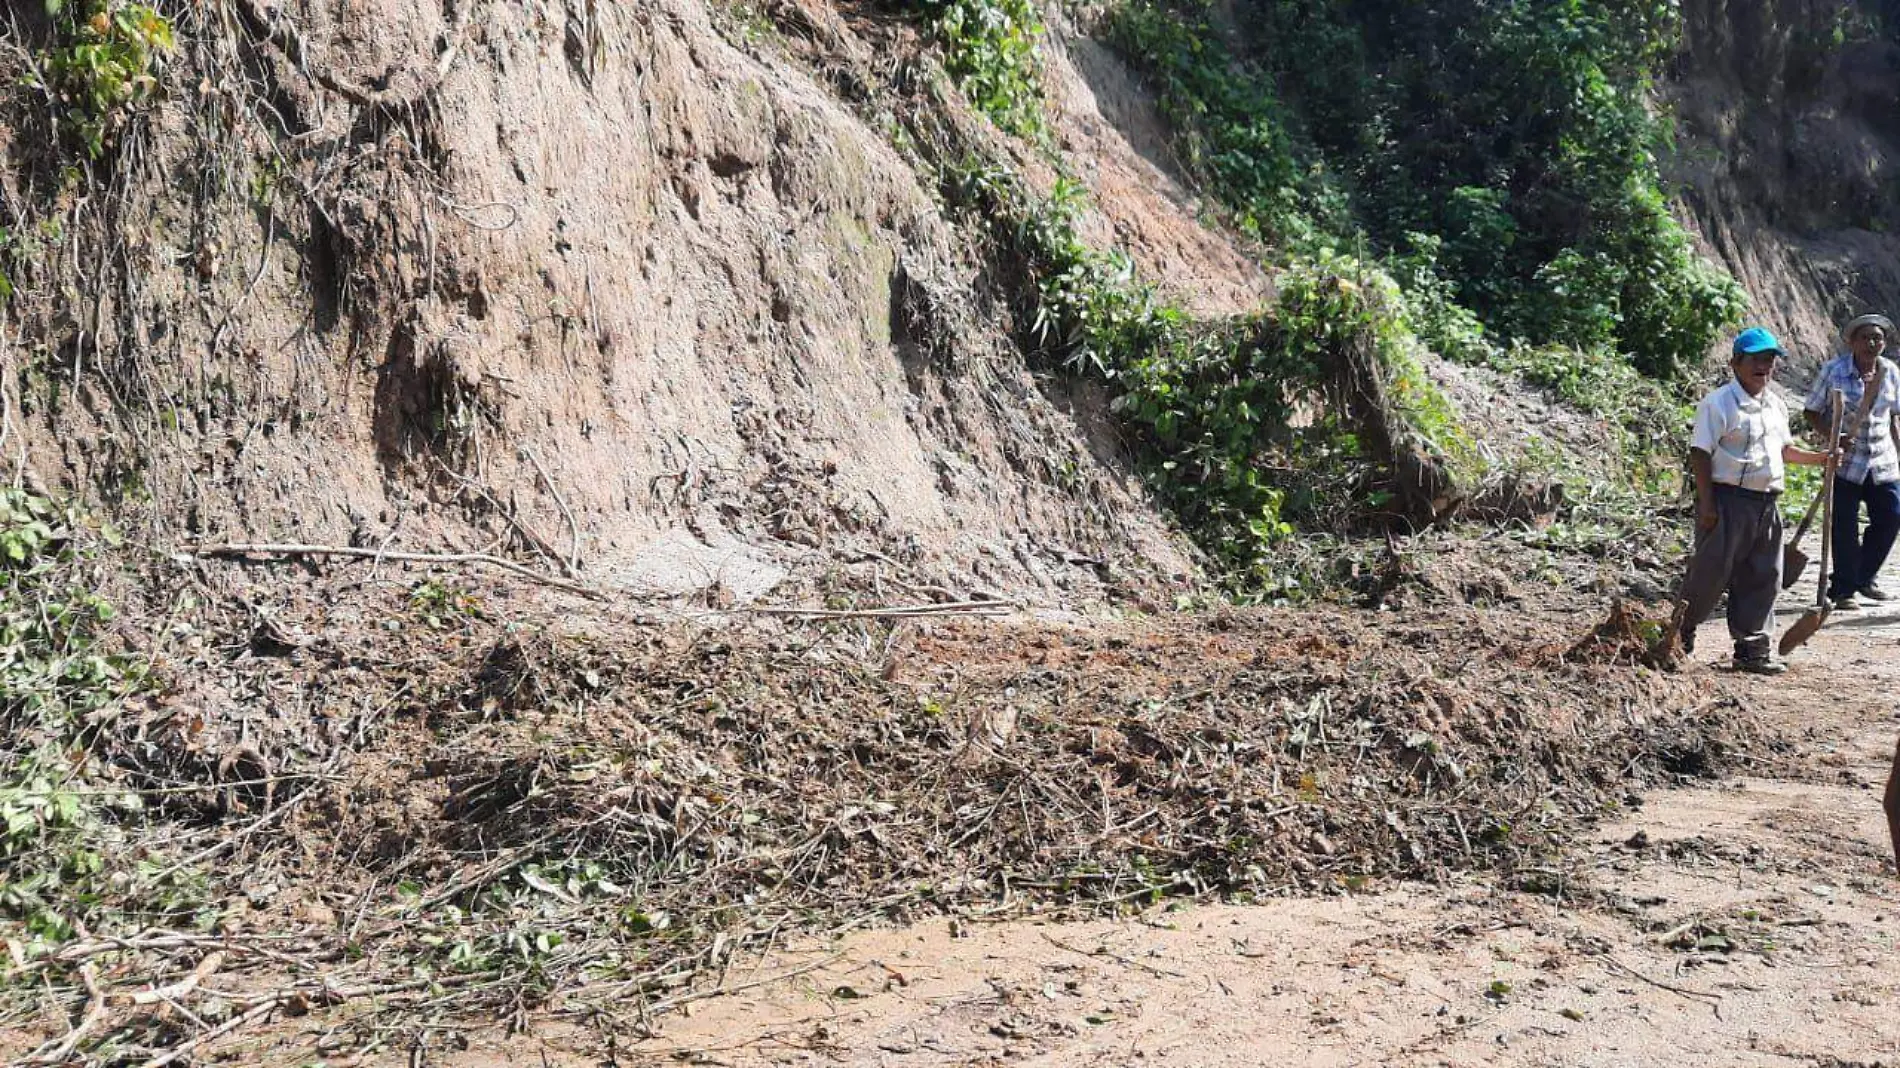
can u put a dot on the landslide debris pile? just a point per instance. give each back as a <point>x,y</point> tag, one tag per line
<point>467,817</point>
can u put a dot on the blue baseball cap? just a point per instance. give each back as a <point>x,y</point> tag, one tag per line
<point>1755,339</point>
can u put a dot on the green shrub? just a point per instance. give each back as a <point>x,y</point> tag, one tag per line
<point>53,682</point>
<point>991,50</point>
<point>104,66</point>
<point>1241,424</point>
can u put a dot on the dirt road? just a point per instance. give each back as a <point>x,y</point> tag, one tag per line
<point>1751,922</point>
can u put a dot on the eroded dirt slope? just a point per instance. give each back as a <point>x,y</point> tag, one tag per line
<point>623,285</point>
<point>1786,155</point>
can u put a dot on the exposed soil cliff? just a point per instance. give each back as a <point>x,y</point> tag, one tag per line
<point>1789,153</point>
<point>622,284</point>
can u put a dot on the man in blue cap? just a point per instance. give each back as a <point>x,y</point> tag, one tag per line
<point>1740,444</point>
<point>1870,469</point>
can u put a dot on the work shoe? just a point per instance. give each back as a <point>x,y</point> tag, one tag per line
<point>1846,604</point>
<point>1875,594</point>
<point>1759,665</point>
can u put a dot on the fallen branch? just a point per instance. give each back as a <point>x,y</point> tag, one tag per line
<point>95,1011</point>
<point>320,993</point>
<point>231,840</point>
<point>241,549</point>
<point>894,612</point>
<point>206,967</point>
<point>256,1012</point>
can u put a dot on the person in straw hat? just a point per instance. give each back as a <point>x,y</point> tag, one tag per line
<point>1870,467</point>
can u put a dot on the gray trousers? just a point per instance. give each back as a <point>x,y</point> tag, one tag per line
<point>1743,556</point>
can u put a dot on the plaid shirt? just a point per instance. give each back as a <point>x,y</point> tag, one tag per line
<point>1873,459</point>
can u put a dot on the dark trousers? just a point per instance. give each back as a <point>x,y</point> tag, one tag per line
<point>1856,559</point>
<point>1743,556</point>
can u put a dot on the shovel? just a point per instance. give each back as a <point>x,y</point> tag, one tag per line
<point>1811,620</point>
<point>1793,560</point>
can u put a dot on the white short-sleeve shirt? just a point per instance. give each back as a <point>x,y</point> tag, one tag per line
<point>1743,436</point>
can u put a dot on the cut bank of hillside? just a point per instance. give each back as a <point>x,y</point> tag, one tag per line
<point>1789,147</point>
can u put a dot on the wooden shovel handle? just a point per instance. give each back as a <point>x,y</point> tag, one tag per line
<point>1836,403</point>
<point>1867,399</point>
<point>1807,518</point>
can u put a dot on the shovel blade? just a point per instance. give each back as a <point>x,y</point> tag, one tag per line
<point>1793,562</point>
<point>1804,628</point>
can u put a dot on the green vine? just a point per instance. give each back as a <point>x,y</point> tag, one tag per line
<point>53,682</point>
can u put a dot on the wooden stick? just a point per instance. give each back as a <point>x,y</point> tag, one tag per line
<point>225,1028</point>
<point>890,612</point>
<point>321,993</point>
<point>95,1011</point>
<point>268,549</point>
<point>1713,1001</point>
<point>212,962</point>
<point>573,561</point>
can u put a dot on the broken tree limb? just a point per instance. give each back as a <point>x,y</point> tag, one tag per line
<point>262,549</point>
<point>892,612</point>
<point>206,967</point>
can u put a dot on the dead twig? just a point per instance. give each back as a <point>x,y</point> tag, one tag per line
<point>260,549</point>
<point>229,841</point>
<point>573,562</point>
<point>1713,1001</point>
<point>170,991</point>
<point>893,612</point>
<point>1106,953</point>
<point>95,1011</point>
<point>701,995</point>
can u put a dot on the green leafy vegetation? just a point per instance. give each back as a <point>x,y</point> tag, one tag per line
<point>991,52</point>
<point>103,67</point>
<point>1498,153</point>
<point>54,685</point>
<point>1246,425</point>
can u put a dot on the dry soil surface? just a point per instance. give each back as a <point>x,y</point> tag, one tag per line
<point>1750,922</point>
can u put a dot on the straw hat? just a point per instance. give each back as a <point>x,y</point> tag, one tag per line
<point>1881,321</point>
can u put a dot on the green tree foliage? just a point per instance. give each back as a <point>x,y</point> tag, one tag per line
<point>1515,136</point>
